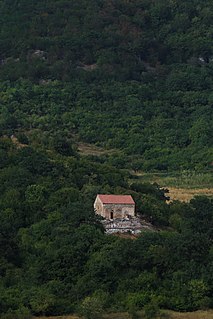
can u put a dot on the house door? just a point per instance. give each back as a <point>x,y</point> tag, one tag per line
<point>111,214</point>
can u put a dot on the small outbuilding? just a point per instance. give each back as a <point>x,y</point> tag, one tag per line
<point>114,206</point>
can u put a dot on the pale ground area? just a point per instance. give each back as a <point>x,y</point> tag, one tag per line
<point>172,315</point>
<point>91,149</point>
<point>185,194</point>
<point>16,142</point>
<point>192,315</point>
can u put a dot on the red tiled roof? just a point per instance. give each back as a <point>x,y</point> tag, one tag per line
<point>116,199</point>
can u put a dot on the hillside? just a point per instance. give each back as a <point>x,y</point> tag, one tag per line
<point>93,94</point>
<point>131,75</point>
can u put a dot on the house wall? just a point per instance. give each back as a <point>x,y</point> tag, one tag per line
<point>98,207</point>
<point>118,210</point>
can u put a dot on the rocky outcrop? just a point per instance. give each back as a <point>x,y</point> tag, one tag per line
<point>132,225</point>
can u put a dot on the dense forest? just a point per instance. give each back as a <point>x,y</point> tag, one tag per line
<point>54,253</point>
<point>135,77</point>
<point>132,75</point>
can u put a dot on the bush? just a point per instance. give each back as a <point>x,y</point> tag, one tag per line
<point>91,308</point>
<point>22,138</point>
<point>21,313</point>
<point>132,307</point>
<point>151,310</point>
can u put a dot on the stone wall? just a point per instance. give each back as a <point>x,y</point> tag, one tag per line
<point>98,207</point>
<point>129,225</point>
<point>112,211</point>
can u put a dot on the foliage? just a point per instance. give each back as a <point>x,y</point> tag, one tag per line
<point>123,75</point>
<point>135,76</point>
<point>91,308</point>
<point>55,256</point>
<point>151,310</point>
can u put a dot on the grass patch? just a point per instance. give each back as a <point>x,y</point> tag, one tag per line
<point>191,315</point>
<point>184,179</point>
<point>185,195</point>
<point>182,186</point>
<point>91,149</point>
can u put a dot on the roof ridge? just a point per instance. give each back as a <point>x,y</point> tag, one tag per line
<point>116,199</point>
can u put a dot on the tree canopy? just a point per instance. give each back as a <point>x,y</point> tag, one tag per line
<point>135,79</point>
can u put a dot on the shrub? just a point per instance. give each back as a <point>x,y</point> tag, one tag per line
<point>91,308</point>
<point>151,310</point>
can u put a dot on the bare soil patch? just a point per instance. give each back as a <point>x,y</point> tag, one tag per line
<point>191,315</point>
<point>16,142</point>
<point>171,315</point>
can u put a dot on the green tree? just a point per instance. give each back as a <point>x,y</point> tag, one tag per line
<point>197,292</point>
<point>91,308</point>
<point>41,300</point>
<point>151,310</point>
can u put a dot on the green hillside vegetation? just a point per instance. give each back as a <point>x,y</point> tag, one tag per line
<point>131,77</point>
<point>55,255</point>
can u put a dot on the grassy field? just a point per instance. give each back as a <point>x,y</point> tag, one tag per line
<point>186,194</point>
<point>170,315</point>
<point>184,179</point>
<point>182,186</point>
